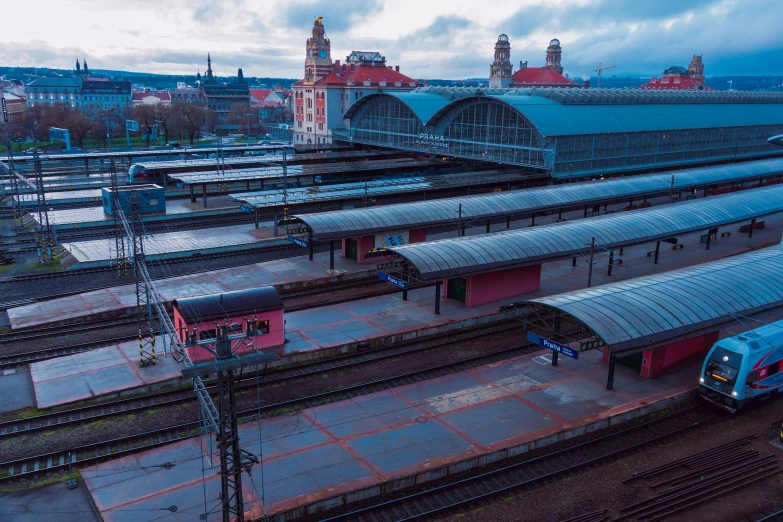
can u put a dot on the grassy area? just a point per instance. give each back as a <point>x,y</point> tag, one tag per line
<point>6,268</point>
<point>55,478</point>
<point>50,266</point>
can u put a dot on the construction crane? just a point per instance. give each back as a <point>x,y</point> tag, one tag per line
<point>598,85</point>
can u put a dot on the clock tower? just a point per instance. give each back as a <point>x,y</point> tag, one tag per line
<point>318,60</point>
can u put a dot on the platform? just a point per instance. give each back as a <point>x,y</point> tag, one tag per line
<point>120,300</point>
<point>170,245</point>
<point>105,371</point>
<point>314,458</point>
<point>64,197</point>
<point>175,209</point>
<point>340,328</point>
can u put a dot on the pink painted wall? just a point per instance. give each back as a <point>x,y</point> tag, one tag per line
<point>364,245</point>
<point>417,236</point>
<point>485,288</point>
<point>272,341</point>
<point>660,359</point>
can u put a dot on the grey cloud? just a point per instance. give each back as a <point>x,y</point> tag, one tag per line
<point>597,14</point>
<point>207,10</point>
<point>338,15</point>
<point>444,29</point>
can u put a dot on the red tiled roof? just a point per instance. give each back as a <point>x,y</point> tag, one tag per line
<point>139,96</point>
<point>675,83</point>
<point>260,94</point>
<point>360,73</point>
<point>540,76</point>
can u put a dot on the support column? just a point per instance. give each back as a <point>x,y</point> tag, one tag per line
<point>310,246</point>
<point>487,226</point>
<point>554,358</point>
<point>611,262</point>
<point>533,221</point>
<point>560,213</point>
<point>645,199</point>
<point>437,297</point>
<point>508,221</point>
<point>705,192</point>
<point>631,203</point>
<point>87,166</point>
<point>610,377</point>
<point>405,295</point>
<point>606,205</point>
<point>192,195</point>
<point>585,214</point>
<point>204,193</point>
<point>256,213</point>
<point>752,224</point>
<point>709,237</point>
<point>590,268</point>
<point>573,261</point>
<point>331,254</point>
<point>657,251</point>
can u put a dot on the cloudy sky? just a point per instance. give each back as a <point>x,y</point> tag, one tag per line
<point>428,38</point>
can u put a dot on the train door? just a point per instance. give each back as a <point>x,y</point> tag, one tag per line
<point>351,249</point>
<point>457,288</point>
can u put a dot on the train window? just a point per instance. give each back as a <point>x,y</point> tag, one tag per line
<point>774,368</point>
<point>262,327</point>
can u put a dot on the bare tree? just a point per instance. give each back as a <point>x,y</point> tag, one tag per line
<point>145,115</point>
<point>193,117</point>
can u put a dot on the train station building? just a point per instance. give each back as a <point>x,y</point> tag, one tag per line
<point>570,133</point>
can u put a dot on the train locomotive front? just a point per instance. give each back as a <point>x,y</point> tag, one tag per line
<point>744,368</point>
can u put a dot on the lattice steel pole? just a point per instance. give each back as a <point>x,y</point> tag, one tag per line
<point>144,297</point>
<point>45,240</point>
<point>119,233</point>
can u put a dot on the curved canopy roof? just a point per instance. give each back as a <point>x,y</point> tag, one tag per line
<point>504,250</point>
<point>642,312</point>
<point>406,216</point>
<point>227,305</point>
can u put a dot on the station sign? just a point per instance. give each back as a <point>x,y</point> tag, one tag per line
<point>393,280</point>
<point>298,241</point>
<point>246,208</point>
<point>433,140</point>
<point>180,184</point>
<point>546,343</point>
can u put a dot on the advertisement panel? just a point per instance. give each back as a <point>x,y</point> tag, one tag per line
<point>390,239</point>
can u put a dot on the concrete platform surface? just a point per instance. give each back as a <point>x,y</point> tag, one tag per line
<point>171,244</point>
<point>333,449</point>
<point>282,273</point>
<point>18,390</point>
<point>48,503</point>
<point>175,209</point>
<point>108,370</point>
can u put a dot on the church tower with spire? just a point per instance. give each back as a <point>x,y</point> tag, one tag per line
<point>500,70</point>
<point>318,60</point>
<point>209,78</point>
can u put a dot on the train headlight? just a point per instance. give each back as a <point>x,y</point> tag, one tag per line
<point>734,393</point>
<point>701,379</point>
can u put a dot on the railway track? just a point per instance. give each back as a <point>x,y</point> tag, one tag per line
<point>464,493</point>
<point>104,450</point>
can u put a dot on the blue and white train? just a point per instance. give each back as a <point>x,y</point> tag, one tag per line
<point>744,368</point>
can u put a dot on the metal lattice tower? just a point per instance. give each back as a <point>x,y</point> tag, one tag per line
<point>16,202</point>
<point>119,233</point>
<point>45,238</point>
<point>144,291</point>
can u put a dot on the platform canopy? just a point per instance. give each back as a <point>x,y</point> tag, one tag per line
<point>328,169</point>
<point>423,214</point>
<point>659,309</point>
<point>148,153</point>
<point>275,158</point>
<point>470,255</point>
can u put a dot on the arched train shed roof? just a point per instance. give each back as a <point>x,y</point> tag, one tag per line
<point>602,111</point>
<point>469,255</point>
<point>421,214</point>
<point>650,311</point>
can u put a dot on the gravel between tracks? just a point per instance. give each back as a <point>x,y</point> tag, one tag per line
<point>601,487</point>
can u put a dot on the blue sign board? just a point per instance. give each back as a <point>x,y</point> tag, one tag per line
<point>245,208</point>
<point>546,343</point>
<point>298,241</point>
<point>393,280</point>
<point>180,184</point>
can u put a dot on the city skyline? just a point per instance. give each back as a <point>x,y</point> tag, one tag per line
<point>451,40</point>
